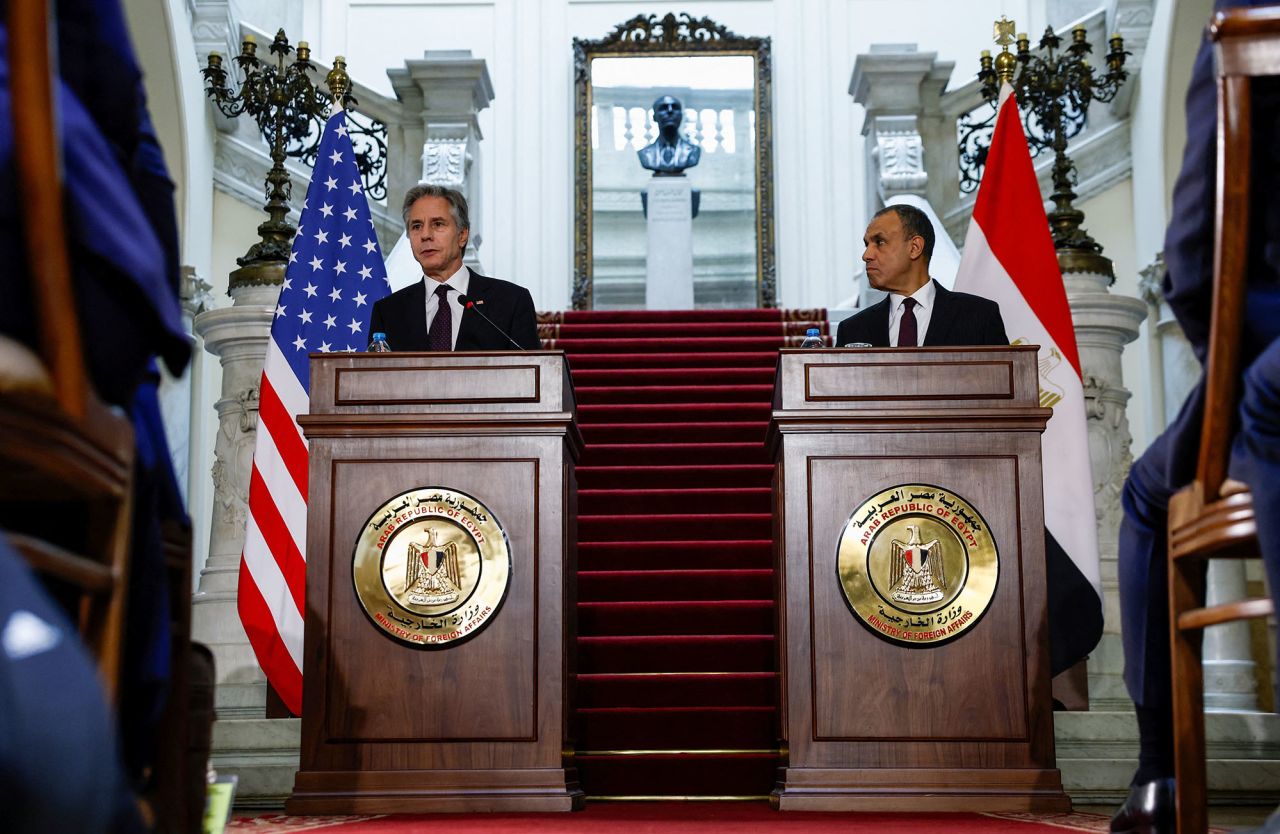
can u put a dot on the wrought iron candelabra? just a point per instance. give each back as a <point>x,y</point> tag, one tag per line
<point>1057,85</point>
<point>286,104</point>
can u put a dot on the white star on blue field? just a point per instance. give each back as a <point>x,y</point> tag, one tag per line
<point>335,270</point>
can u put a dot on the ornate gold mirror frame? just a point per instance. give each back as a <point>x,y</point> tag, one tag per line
<point>672,36</point>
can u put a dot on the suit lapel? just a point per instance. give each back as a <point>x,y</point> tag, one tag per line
<point>477,290</point>
<point>413,315</point>
<point>879,323</point>
<point>941,320</point>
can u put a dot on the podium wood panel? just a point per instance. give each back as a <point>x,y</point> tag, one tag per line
<point>482,723</point>
<point>869,724</point>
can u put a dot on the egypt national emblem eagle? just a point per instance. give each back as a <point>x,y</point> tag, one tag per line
<point>431,574</point>
<point>916,571</point>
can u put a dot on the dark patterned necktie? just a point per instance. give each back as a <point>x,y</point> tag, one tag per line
<point>907,328</point>
<point>440,336</point>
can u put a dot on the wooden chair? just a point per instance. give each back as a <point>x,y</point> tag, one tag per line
<point>1213,517</point>
<point>66,460</point>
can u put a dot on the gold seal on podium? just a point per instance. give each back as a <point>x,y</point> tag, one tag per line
<point>431,566</point>
<point>917,564</point>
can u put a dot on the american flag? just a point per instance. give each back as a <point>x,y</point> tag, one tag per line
<point>335,273</point>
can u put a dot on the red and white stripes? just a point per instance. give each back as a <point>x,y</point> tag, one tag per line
<point>272,587</point>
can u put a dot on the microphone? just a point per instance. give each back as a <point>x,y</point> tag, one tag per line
<point>468,304</point>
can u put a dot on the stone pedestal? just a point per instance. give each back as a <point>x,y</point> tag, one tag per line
<point>237,335</point>
<point>1098,753</point>
<point>669,256</point>
<point>1105,323</point>
<point>263,752</point>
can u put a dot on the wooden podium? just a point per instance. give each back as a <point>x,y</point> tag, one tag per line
<point>912,706</point>
<point>478,723</point>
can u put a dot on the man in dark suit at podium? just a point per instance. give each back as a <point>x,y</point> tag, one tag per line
<point>499,315</point>
<point>918,311</point>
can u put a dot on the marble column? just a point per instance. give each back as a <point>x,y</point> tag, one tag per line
<point>237,335</point>
<point>1105,322</point>
<point>441,96</point>
<point>901,90</point>
<point>1229,673</point>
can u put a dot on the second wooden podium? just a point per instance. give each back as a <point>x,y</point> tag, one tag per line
<point>909,540</point>
<point>440,584</point>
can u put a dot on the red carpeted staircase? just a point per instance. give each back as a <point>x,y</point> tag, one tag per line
<point>677,689</point>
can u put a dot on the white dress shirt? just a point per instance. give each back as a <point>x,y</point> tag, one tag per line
<point>924,311</point>
<point>459,281</point>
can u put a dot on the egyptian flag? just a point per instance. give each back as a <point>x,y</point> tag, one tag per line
<point>1009,258</point>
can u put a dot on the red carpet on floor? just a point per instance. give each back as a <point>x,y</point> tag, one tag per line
<point>677,692</point>
<point>692,817</point>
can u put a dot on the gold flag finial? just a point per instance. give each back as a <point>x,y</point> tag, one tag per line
<point>1005,62</point>
<point>339,82</point>
<point>1003,31</point>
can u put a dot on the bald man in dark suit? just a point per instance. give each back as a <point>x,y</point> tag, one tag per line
<point>918,310</point>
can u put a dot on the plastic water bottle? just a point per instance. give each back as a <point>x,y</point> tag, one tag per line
<point>379,343</point>
<point>812,338</point>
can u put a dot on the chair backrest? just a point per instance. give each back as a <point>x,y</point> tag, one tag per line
<point>58,443</point>
<point>1246,44</point>
<point>32,74</point>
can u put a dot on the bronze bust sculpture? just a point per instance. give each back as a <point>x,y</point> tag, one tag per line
<point>670,154</point>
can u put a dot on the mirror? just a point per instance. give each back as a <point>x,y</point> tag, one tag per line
<point>723,82</point>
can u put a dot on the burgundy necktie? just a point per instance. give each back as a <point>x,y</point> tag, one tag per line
<point>440,336</point>
<point>907,328</point>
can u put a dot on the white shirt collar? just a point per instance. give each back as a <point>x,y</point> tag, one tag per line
<point>924,298</point>
<point>459,280</point>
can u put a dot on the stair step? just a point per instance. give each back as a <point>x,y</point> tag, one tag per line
<point>674,585</point>
<point>678,775</point>
<point>677,653</point>
<point>686,432</point>
<point>673,368</point>
<point>612,528</point>
<point>675,344</point>
<point>775,314</point>
<point>654,394</point>
<point>675,358</point>
<point>683,728</point>
<point>623,331</point>
<point>674,477</point>
<point>756,413</point>
<point>672,501</point>
<point>660,617</point>
<point>759,689</point>
<point>669,454</point>
<point>675,554</point>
